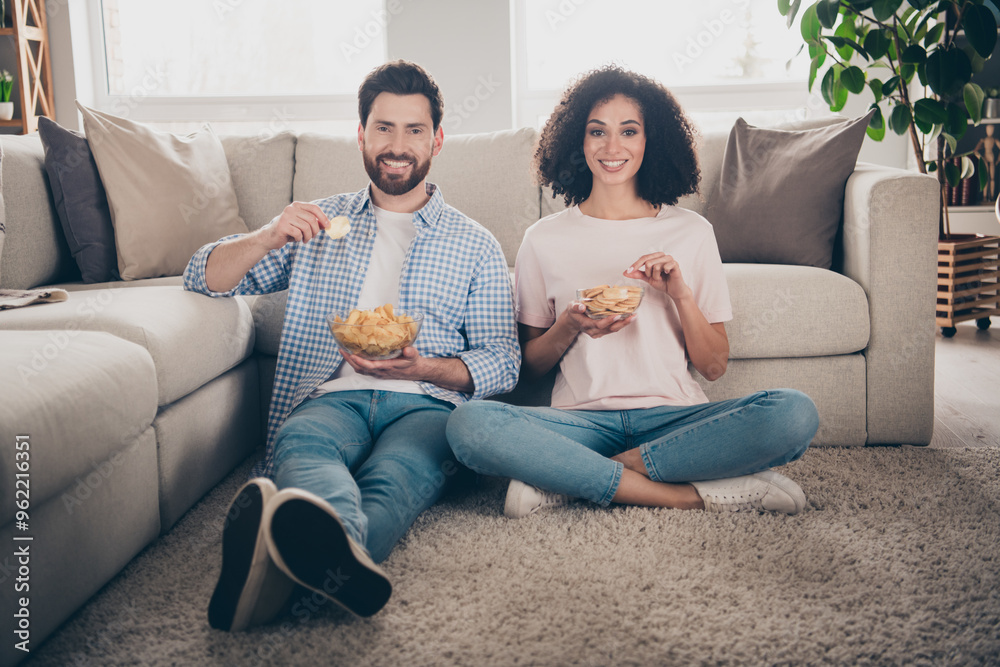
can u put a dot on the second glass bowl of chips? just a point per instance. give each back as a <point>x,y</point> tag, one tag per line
<point>611,300</point>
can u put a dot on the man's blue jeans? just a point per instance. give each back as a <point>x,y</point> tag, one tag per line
<point>380,458</point>
<point>568,451</point>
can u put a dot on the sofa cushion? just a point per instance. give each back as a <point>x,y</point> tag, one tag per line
<point>794,311</point>
<point>781,192</point>
<point>169,194</point>
<point>192,338</point>
<point>488,177</point>
<point>80,201</point>
<point>261,169</point>
<point>485,176</point>
<point>35,251</point>
<point>80,397</point>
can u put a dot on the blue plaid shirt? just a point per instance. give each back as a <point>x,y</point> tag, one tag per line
<point>454,272</point>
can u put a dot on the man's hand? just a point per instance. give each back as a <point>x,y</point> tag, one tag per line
<point>445,372</point>
<point>300,221</point>
<point>403,367</point>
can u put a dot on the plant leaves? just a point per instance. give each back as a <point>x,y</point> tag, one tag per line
<point>929,111</point>
<point>948,71</point>
<point>968,167</point>
<point>876,43</point>
<point>919,4</point>
<point>973,96</point>
<point>810,27</point>
<point>783,6</point>
<point>883,9</point>
<point>853,79</point>
<point>889,87</point>
<point>793,11</point>
<point>980,29</point>
<point>876,87</point>
<point>876,125</point>
<point>957,122</point>
<point>934,34</point>
<point>900,119</point>
<point>846,31</point>
<point>914,54</point>
<point>952,173</point>
<point>827,12</point>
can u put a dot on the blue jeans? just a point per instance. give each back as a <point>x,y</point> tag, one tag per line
<point>568,451</point>
<point>380,458</point>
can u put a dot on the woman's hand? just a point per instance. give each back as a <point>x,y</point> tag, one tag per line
<point>575,317</point>
<point>661,272</point>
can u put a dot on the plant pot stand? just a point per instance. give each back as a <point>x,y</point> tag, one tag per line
<point>968,274</point>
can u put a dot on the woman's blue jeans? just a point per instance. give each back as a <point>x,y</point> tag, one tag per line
<point>568,451</point>
<point>380,458</point>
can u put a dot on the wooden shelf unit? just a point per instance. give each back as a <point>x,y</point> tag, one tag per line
<point>968,277</point>
<point>33,71</point>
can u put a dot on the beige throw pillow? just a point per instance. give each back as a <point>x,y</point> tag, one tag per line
<point>169,194</point>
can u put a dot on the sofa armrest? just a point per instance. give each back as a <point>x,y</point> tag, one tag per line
<point>890,249</point>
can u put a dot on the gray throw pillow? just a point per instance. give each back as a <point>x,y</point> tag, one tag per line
<point>780,198</point>
<point>81,202</point>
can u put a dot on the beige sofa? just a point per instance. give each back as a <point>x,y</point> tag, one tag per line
<point>137,398</point>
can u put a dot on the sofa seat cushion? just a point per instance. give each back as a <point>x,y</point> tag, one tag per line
<point>794,311</point>
<point>80,399</point>
<point>191,337</point>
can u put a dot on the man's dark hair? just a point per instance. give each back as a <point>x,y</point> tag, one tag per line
<point>669,167</point>
<point>399,77</point>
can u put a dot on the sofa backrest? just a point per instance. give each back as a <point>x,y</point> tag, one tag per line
<point>35,251</point>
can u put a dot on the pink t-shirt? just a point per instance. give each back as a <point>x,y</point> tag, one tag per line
<point>645,364</point>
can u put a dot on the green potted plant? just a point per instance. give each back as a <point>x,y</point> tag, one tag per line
<point>6,85</point>
<point>917,57</point>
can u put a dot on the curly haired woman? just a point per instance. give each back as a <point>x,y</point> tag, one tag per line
<point>628,422</point>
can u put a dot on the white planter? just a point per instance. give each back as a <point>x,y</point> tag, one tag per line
<point>6,110</point>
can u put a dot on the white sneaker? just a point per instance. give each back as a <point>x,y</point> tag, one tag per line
<point>766,491</point>
<point>524,499</point>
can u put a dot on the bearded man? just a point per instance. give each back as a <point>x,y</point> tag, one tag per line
<point>356,451</point>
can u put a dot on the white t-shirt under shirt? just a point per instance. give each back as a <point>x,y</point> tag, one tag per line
<point>645,364</point>
<point>395,234</point>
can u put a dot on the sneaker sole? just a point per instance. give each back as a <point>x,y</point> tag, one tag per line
<point>308,543</point>
<point>251,590</point>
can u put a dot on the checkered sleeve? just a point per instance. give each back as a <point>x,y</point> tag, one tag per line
<point>270,274</point>
<point>494,356</point>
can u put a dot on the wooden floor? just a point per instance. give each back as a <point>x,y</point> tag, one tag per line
<point>967,387</point>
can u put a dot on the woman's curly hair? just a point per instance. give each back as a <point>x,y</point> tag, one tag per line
<point>669,168</point>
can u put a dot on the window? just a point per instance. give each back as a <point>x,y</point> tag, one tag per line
<point>714,55</point>
<point>238,60</point>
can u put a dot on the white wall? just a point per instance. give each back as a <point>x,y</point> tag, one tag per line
<point>466,48</point>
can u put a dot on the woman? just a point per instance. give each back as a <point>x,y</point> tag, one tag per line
<point>628,423</point>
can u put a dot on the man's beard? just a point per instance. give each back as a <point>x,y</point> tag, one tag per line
<point>393,184</point>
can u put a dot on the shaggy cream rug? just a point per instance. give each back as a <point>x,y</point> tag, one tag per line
<point>896,560</point>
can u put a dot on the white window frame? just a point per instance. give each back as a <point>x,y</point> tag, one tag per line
<point>261,109</point>
<point>530,105</point>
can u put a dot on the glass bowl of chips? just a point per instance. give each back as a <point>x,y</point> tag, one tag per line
<point>611,300</point>
<point>375,334</point>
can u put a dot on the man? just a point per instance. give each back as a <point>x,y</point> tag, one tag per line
<point>358,449</point>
